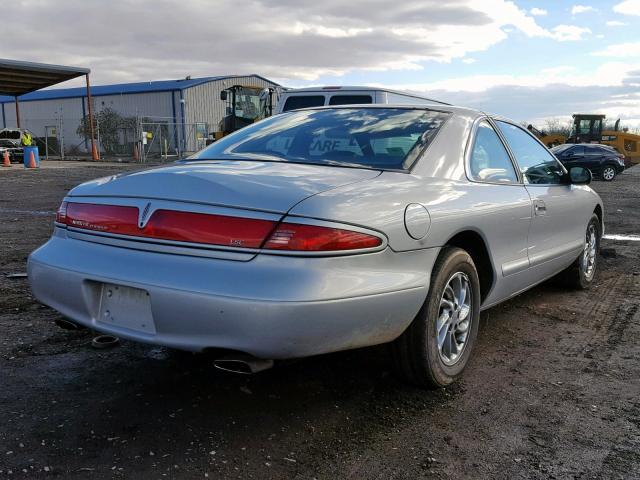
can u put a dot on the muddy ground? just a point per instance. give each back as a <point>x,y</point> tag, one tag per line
<point>553,390</point>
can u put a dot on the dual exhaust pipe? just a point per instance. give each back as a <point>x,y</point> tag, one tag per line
<point>242,364</point>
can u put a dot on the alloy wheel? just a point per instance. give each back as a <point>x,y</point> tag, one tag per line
<point>590,252</point>
<point>454,318</point>
<point>608,173</point>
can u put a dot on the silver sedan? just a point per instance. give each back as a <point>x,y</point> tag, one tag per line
<point>321,230</point>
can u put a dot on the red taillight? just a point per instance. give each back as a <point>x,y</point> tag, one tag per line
<point>102,218</point>
<point>313,238</point>
<point>61,214</point>
<point>205,228</point>
<point>167,224</point>
<point>213,229</point>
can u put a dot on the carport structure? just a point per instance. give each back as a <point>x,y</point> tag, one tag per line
<point>18,78</point>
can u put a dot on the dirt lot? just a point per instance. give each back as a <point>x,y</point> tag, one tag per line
<point>553,390</point>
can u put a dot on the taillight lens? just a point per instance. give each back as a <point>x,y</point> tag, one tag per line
<point>313,238</point>
<point>103,218</point>
<point>213,229</point>
<point>206,228</point>
<point>168,224</point>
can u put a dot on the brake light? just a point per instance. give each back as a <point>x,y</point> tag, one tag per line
<point>313,238</point>
<point>102,218</point>
<point>206,228</point>
<point>211,229</point>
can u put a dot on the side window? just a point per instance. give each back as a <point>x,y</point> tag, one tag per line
<point>605,151</point>
<point>536,163</point>
<point>593,151</point>
<point>489,160</point>
<point>584,127</point>
<point>577,151</point>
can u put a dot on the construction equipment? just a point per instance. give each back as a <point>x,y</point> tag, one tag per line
<point>624,142</point>
<point>245,104</point>
<point>589,128</point>
<point>550,140</point>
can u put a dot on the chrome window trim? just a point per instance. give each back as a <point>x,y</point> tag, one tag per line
<point>553,157</point>
<point>469,150</point>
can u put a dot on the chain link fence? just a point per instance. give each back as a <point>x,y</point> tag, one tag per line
<point>167,140</point>
<point>143,139</point>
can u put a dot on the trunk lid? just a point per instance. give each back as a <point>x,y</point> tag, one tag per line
<point>255,185</point>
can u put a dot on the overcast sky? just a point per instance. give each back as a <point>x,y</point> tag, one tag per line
<point>528,60</point>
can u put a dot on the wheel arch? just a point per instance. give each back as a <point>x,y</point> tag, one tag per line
<point>474,243</point>
<point>598,211</point>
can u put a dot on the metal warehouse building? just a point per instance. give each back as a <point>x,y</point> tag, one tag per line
<point>177,114</point>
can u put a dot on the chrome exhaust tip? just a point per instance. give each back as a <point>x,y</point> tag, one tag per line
<point>244,365</point>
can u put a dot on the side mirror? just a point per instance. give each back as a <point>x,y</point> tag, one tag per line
<point>223,95</point>
<point>579,176</point>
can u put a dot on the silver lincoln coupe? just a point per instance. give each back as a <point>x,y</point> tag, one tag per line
<point>321,230</point>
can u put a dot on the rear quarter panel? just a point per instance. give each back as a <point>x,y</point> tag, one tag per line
<point>500,214</point>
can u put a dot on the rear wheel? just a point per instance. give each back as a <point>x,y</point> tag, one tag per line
<point>580,274</point>
<point>608,173</point>
<point>436,347</point>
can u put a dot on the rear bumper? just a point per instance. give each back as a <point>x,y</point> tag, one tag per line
<point>271,307</point>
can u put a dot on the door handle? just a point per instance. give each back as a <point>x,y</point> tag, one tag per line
<point>539,207</point>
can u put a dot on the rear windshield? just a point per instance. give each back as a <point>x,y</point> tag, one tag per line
<point>389,138</point>
<point>303,101</point>
<point>350,99</point>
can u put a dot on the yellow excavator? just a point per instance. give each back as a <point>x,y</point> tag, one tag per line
<point>550,140</point>
<point>244,105</point>
<point>589,128</point>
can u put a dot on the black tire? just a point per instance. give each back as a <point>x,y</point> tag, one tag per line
<point>417,357</point>
<point>608,173</point>
<point>576,276</point>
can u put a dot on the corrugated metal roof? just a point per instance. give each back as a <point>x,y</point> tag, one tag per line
<point>19,78</point>
<point>120,88</point>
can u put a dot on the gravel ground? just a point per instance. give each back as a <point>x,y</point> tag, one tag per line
<point>553,390</point>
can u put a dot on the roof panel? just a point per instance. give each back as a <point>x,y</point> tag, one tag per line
<point>19,78</point>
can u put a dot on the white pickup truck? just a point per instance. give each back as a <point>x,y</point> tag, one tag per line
<point>294,99</point>
<point>11,140</point>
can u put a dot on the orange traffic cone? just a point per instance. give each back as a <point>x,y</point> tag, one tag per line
<point>32,160</point>
<point>6,162</point>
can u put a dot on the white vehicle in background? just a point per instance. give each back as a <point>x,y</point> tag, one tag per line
<point>11,141</point>
<point>296,98</point>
